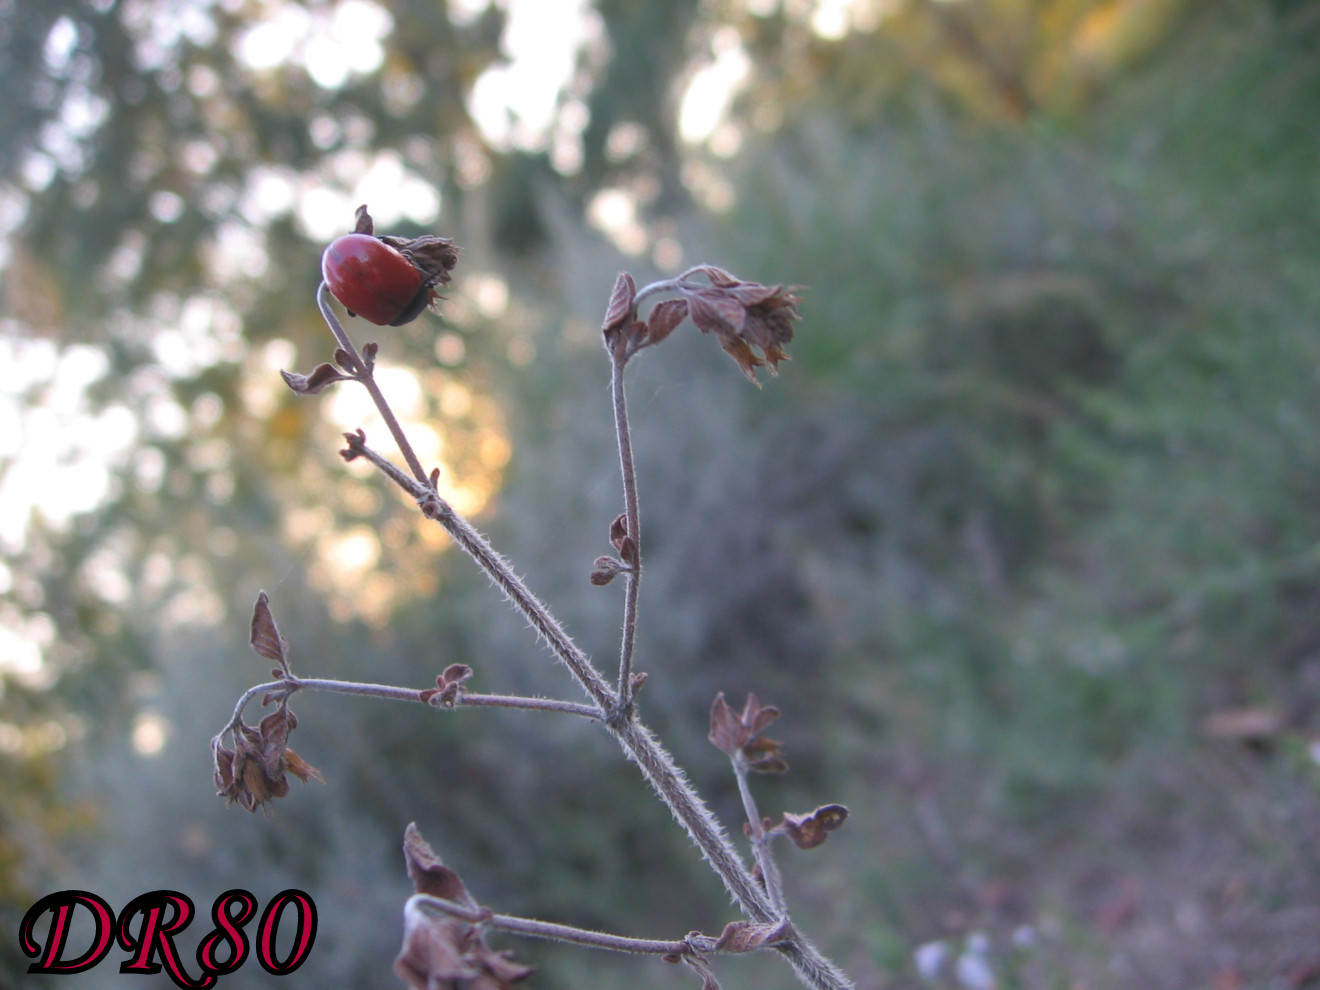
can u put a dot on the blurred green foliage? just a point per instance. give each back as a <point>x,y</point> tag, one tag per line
<point>1031,510</point>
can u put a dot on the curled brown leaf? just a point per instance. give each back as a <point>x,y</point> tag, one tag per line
<point>810,830</point>
<point>322,376</point>
<point>606,569</point>
<point>620,306</point>
<point>748,936</point>
<point>264,637</point>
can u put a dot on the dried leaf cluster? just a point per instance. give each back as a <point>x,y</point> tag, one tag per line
<point>445,952</point>
<point>448,684</point>
<point>751,321</point>
<point>739,734</point>
<point>254,771</point>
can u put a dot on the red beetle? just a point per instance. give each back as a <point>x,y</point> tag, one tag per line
<point>374,280</point>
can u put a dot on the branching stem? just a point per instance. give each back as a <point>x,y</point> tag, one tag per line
<point>761,840</point>
<point>659,768</point>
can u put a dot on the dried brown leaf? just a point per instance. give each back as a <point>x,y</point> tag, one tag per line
<point>618,531</point>
<point>265,638</point>
<point>449,684</point>
<point>757,716</point>
<point>606,569</point>
<point>255,771</point>
<point>727,733</point>
<point>664,319</point>
<point>763,756</point>
<point>739,734</point>
<point>322,376</point>
<point>810,830</point>
<point>748,936</point>
<point>455,673</point>
<point>701,966</point>
<point>752,322</point>
<point>300,768</point>
<point>714,311</point>
<point>620,307</point>
<point>428,874</point>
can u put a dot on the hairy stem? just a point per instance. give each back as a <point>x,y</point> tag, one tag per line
<point>774,881</point>
<point>366,376</point>
<point>535,928</point>
<point>632,517</point>
<point>390,692</point>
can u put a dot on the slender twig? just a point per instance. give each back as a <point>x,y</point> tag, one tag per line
<point>365,373</point>
<point>279,688</point>
<point>761,840</point>
<point>389,692</point>
<point>466,700</point>
<point>631,510</point>
<point>632,517</point>
<point>667,285</point>
<point>551,931</point>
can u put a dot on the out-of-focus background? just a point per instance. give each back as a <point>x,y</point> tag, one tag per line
<point>1024,542</point>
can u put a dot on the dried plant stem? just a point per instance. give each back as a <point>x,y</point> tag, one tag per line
<point>551,931</point>
<point>774,881</point>
<point>389,692</point>
<point>659,768</point>
<point>632,517</point>
<point>364,373</point>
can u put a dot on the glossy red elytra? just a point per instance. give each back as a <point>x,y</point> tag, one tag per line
<point>374,281</point>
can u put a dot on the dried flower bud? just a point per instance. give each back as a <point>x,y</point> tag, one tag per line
<point>746,317</point>
<point>748,936</point>
<point>442,952</point>
<point>739,734</point>
<point>810,830</point>
<point>449,684</point>
<point>606,569</point>
<point>253,772</point>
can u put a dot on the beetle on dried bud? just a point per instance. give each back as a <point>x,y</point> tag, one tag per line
<point>384,279</point>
